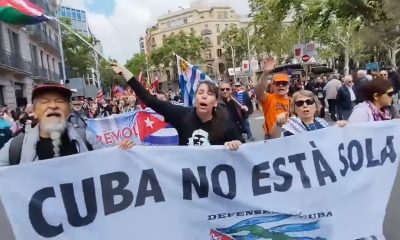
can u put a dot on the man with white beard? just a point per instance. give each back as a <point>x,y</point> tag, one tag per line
<point>52,137</point>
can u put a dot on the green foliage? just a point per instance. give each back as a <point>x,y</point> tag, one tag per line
<point>188,47</point>
<point>108,76</point>
<point>237,38</point>
<point>137,64</point>
<point>78,55</point>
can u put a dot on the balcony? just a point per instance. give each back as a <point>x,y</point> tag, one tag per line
<point>14,62</point>
<point>36,32</point>
<point>39,72</point>
<point>206,32</point>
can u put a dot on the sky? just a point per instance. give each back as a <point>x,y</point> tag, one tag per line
<point>118,24</point>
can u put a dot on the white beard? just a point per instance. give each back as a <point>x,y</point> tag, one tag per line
<point>53,127</point>
<point>55,130</point>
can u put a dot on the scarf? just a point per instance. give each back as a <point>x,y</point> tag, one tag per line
<point>378,114</point>
<point>295,125</point>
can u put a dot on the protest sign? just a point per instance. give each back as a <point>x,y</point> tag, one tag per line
<point>328,184</point>
<point>142,127</point>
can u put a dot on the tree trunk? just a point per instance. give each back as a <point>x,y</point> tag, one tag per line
<point>393,56</point>
<point>346,69</point>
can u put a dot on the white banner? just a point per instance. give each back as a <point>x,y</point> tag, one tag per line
<point>142,127</point>
<point>329,184</point>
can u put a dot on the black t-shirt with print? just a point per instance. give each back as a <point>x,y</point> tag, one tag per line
<point>190,129</point>
<point>44,147</point>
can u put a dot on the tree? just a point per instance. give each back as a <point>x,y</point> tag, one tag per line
<point>237,38</point>
<point>189,47</point>
<point>78,55</point>
<point>108,76</point>
<point>137,63</point>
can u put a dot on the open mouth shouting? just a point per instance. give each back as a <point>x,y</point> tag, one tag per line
<point>54,114</point>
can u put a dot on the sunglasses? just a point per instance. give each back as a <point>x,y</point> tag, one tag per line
<point>390,94</point>
<point>281,83</point>
<point>225,89</point>
<point>300,103</point>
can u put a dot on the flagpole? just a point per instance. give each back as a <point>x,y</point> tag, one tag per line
<point>81,38</point>
<point>60,45</point>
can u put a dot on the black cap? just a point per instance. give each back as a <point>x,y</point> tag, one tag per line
<point>51,87</point>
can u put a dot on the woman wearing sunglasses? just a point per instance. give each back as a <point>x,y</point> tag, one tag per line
<point>305,108</point>
<point>378,98</point>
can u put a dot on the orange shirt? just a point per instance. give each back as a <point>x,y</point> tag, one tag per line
<point>273,105</point>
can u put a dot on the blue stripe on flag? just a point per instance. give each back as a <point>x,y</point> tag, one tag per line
<point>202,76</point>
<point>162,140</point>
<point>182,83</point>
<point>192,83</point>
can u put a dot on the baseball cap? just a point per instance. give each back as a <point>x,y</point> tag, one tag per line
<point>237,84</point>
<point>51,87</point>
<point>280,77</point>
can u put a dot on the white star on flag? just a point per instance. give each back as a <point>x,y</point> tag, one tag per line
<point>149,123</point>
<point>215,237</point>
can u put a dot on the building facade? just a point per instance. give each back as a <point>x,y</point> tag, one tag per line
<point>205,21</point>
<point>29,55</point>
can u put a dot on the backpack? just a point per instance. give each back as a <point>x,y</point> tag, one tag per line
<point>16,146</point>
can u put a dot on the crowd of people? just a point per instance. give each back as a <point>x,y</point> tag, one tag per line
<point>55,124</point>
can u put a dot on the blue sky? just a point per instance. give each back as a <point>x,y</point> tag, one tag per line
<point>105,7</point>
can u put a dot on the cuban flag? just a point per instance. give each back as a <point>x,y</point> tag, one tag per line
<point>142,127</point>
<point>189,78</point>
<point>153,130</point>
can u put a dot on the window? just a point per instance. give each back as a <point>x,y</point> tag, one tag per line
<point>34,55</point>
<point>207,40</point>
<point>83,16</point>
<point>163,38</point>
<point>192,30</point>
<point>62,11</point>
<point>14,43</point>
<point>41,58</point>
<point>78,15</point>
<point>225,15</point>
<point>1,36</point>
<point>73,14</point>
<point>68,12</point>
<point>185,20</point>
<point>219,53</point>
<point>219,15</point>
<point>208,54</point>
<point>226,26</point>
<point>205,26</point>
<point>2,103</point>
<point>218,29</point>
<point>219,40</point>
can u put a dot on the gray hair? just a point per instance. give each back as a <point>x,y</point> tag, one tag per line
<point>362,73</point>
<point>305,93</point>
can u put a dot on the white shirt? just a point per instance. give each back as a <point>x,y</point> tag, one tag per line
<point>352,94</point>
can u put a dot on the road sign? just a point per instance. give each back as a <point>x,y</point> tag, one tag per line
<point>306,58</point>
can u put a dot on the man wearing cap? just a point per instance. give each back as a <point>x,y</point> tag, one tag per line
<point>52,137</point>
<point>77,116</point>
<point>276,102</point>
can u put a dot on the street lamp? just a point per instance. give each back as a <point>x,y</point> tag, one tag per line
<point>248,51</point>
<point>233,61</point>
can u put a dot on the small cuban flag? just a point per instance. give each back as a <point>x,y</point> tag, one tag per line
<point>189,78</point>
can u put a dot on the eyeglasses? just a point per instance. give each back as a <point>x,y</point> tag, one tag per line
<point>300,103</point>
<point>390,94</point>
<point>382,75</point>
<point>281,83</point>
<point>225,89</point>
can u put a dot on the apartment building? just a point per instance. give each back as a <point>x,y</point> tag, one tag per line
<point>205,21</point>
<point>81,25</point>
<point>28,55</point>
